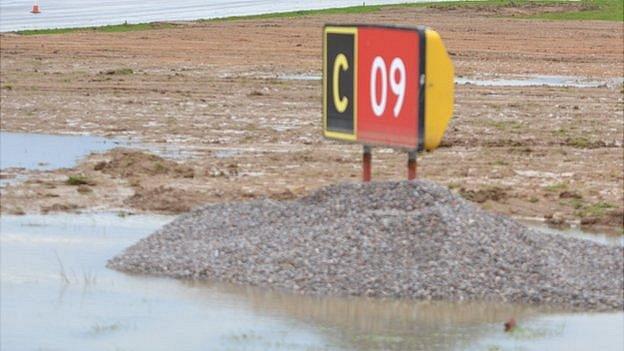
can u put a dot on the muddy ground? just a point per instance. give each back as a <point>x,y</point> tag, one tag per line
<point>216,90</point>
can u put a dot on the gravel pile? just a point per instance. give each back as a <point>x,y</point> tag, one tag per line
<point>387,239</point>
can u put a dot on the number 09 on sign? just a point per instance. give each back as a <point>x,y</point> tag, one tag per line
<point>386,86</point>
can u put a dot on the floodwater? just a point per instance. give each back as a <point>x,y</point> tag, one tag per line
<point>58,295</point>
<point>614,239</point>
<point>15,14</point>
<point>541,80</point>
<point>46,151</point>
<point>515,81</point>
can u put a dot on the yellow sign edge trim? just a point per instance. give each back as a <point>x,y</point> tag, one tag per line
<point>440,92</point>
<point>327,133</point>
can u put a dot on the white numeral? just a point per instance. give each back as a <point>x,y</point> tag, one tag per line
<point>396,85</point>
<point>378,65</point>
<point>398,88</point>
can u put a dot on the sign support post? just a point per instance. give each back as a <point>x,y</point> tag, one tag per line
<point>411,165</point>
<point>367,158</point>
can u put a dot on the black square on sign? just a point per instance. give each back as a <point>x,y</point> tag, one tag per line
<point>340,82</point>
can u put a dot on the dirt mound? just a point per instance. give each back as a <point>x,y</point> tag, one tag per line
<point>405,239</point>
<point>127,163</point>
<point>164,199</point>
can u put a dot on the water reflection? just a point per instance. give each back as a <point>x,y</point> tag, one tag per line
<point>514,81</point>
<point>390,324</point>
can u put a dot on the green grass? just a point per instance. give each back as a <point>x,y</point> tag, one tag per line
<point>578,142</point>
<point>595,210</point>
<point>604,10</point>
<point>609,10</point>
<point>116,28</point>
<point>332,11</point>
<point>556,187</point>
<point>118,71</point>
<point>77,180</point>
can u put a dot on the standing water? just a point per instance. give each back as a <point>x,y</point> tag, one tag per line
<point>57,294</point>
<point>47,151</point>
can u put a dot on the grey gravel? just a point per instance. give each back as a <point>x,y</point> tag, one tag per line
<point>385,239</point>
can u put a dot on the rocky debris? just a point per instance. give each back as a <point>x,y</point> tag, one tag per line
<point>387,239</point>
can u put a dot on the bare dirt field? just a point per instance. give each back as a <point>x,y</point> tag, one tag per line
<point>240,98</point>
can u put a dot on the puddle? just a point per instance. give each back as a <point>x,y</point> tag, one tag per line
<point>576,232</point>
<point>519,81</point>
<point>299,77</point>
<point>55,286</point>
<point>46,151</point>
<point>226,153</point>
<point>20,152</point>
<point>541,80</point>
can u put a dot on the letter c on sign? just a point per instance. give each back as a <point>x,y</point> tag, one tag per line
<point>341,102</point>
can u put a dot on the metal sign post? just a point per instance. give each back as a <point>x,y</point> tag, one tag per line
<point>367,158</point>
<point>411,165</point>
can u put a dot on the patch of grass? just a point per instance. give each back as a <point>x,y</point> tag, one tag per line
<point>500,163</point>
<point>118,71</point>
<point>595,210</point>
<point>504,125</point>
<point>453,185</point>
<point>603,10</point>
<point>62,273</point>
<point>77,179</point>
<point>493,193</point>
<point>7,87</point>
<point>578,142</point>
<point>610,10</point>
<point>115,28</point>
<point>556,187</point>
<point>574,203</point>
<point>500,125</point>
<point>159,168</point>
<point>561,132</point>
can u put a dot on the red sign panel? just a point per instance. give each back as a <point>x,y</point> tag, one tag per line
<point>388,86</point>
<point>372,85</point>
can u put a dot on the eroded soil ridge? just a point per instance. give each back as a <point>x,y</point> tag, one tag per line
<point>386,239</point>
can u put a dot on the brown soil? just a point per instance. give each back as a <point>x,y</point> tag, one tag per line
<point>212,90</point>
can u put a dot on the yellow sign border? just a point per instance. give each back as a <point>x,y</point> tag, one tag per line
<point>340,30</point>
<point>439,90</point>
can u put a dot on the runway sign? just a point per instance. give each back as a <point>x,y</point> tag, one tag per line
<point>386,86</point>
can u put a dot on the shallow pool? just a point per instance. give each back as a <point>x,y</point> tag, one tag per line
<point>48,151</point>
<point>58,295</point>
<point>540,80</point>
